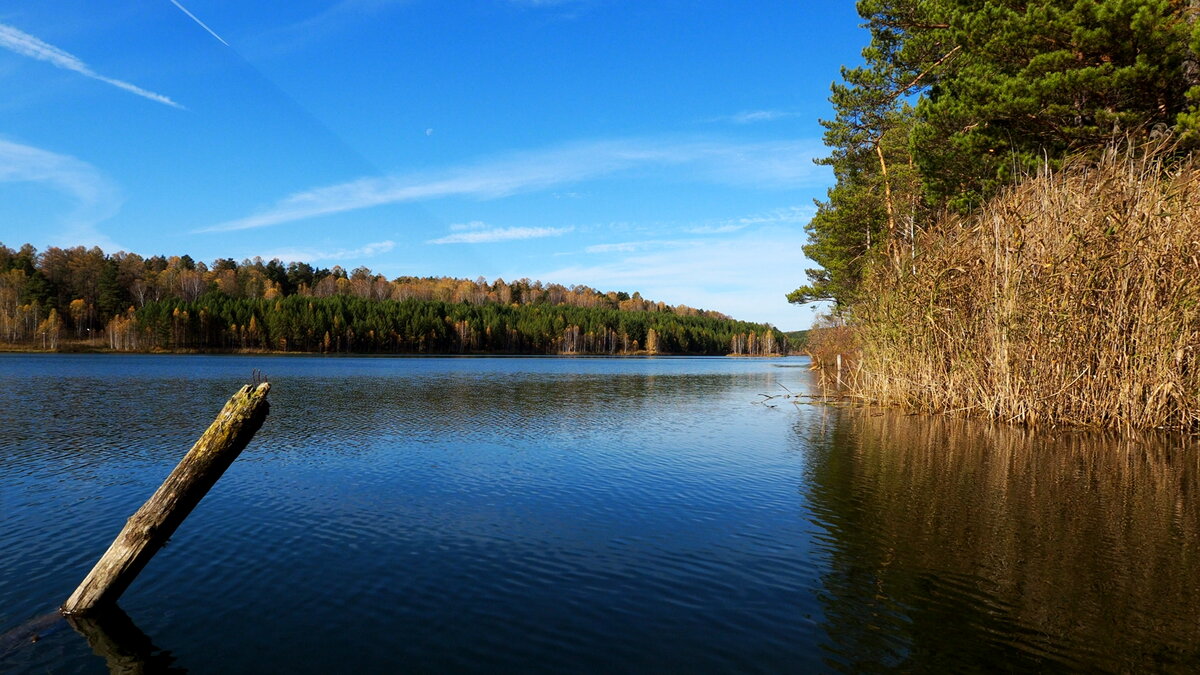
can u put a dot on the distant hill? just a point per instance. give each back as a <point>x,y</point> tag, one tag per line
<point>123,301</point>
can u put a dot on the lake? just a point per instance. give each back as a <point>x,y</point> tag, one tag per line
<point>584,515</point>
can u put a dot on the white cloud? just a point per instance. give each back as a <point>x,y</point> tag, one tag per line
<point>631,246</point>
<point>95,198</point>
<point>473,225</point>
<point>777,164</point>
<point>488,236</point>
<point>376,248</point>
<point>789,215</point>
<point>717,229</point>
<point>310,254</point>
<point>752,116</point>
<point>746,276</point>
<point>336,17</point>
<point>27,45</point>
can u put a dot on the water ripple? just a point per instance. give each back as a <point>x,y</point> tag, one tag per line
<point>590,515</point>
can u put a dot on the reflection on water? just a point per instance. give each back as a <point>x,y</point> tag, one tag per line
<point>959,545</point>
<point>583,515</point>
<point>114,637</point>
<point>107,630</point>
<point>428,515</point>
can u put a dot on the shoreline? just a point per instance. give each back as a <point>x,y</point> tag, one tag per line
<point>96,349</point>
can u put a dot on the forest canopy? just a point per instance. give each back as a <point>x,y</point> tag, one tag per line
<point>128,302</point>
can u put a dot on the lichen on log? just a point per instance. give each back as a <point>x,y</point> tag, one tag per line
<point>148,529</point>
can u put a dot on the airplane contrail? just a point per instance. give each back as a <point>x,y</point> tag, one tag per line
<point>25,44</point>
<point>202,25</point>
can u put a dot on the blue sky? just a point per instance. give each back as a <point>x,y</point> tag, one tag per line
<point>661,147</point>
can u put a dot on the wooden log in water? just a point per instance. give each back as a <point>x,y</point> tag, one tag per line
<point>149,528</point>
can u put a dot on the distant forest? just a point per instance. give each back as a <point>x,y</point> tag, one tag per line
<point>83,298</point>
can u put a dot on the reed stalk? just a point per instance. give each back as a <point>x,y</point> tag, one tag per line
<point>1071,299</point>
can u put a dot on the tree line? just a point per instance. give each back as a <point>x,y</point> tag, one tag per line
<point>127,302</point>
<point>956,100</point>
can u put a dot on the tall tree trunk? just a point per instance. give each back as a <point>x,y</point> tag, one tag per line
<point>887,199</point>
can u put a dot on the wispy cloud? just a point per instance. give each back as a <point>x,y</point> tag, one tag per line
<point>198,21</point>
<point>338,17</point>
<point>473,225</point>
<point>717,229</point>
<point>778,164</point>
<point>314,254</point>
<point>632,246</point>
<point>95,198</point>
<point>709,271</point>
<point>706,272</point>
<point>785,216</point>
<point>753,116</point>
<point>472,233</point>
<point>27,45</point>
<point>560,5</point>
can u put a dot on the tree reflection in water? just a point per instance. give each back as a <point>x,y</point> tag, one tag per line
<point>962,545</point>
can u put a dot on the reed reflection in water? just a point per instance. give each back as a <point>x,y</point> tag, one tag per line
<point>960,545</point>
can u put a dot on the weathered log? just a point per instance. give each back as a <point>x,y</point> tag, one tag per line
<point>149,528</point>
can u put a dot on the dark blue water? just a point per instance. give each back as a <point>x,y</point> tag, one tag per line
<point>582,515</point>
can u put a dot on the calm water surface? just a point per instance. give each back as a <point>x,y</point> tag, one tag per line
<point>583,515</point>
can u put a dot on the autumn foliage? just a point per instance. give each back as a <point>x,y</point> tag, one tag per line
<point>126,302</point>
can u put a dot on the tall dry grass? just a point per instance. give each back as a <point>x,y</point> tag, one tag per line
<point>1072,299</point>
<point>829,337</point>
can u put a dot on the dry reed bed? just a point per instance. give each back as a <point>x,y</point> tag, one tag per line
<point>1072,299</point>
